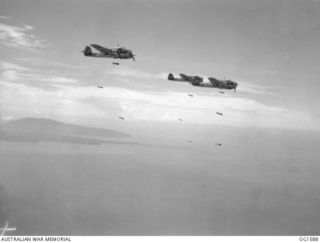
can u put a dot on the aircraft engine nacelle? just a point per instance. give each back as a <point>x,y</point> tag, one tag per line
<point>87,51</point>
<point>197,81</point>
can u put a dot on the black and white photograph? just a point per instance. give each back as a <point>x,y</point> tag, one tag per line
<point>160,118</point>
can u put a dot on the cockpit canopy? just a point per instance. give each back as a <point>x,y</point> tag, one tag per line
<point>123,50</point>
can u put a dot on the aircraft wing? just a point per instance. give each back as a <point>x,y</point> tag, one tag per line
<point>101,49</point>
<point>184,77</point>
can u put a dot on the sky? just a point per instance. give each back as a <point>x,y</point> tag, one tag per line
<point>271,48</point>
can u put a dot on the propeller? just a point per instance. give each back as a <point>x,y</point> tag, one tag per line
<point>132,56</point>
<point>119,50</point>
<point>119,53</point>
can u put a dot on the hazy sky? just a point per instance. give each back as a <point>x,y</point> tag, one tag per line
<point>271,48</point>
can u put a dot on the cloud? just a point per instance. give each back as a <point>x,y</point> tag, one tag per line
<point>64,80</point>
<point>6,118</point>
<point>170,106</point>
<point>48,63</point>
<point>4,17</point>
<point>88,102</point>
<point>134,73</point>
<point>251,88</point>
<point>32,77</point>
<point>12,66</point>
<point>19,37</point>
<point>20,100</point>
<point>25,90</point>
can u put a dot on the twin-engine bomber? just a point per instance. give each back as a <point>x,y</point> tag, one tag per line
<point>123,53</point>
<point>185,78</point>
<point>116,53</point>
<point>198,81</point>
<point>223,84</point>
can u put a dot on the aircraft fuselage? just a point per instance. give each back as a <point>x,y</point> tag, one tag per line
<point>222,84</point>
<point>185,78</point>
<point>115,56</point>
<point>119,53</point>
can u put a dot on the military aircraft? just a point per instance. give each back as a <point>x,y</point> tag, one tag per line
<point>216,83</point>
<point>185,78</point>
<point>6,228</point>
<point>198,81</point>
<point>219,113</point>
<point>116,53</point>
<point>223,84</point>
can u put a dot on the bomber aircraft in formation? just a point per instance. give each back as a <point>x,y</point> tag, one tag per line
<point>185,78</point>
<point>198,81</point>
<point>223,84</point>
<point>116,53</point>
<point>123,53</point>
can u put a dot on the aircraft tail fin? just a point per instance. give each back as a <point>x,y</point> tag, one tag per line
<point>170,76</point>
<point>87,51</point>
